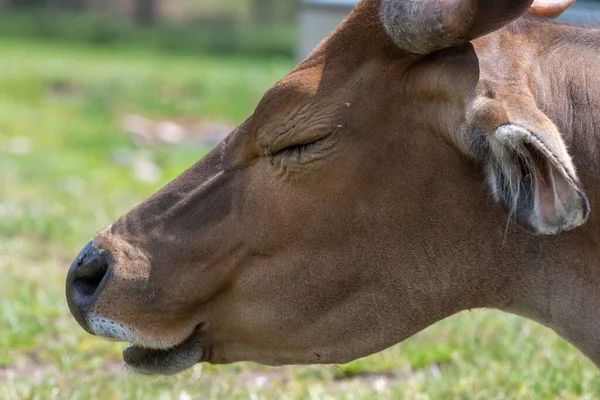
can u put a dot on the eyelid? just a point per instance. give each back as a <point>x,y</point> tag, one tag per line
<point>280,146</point>
<point>301,144</point>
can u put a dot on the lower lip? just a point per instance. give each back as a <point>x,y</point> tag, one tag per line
<point>169,361</point>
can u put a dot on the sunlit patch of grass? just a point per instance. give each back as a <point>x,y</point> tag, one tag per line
<point>59,183</point>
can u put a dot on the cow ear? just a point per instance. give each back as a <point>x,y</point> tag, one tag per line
<point>530,170</point>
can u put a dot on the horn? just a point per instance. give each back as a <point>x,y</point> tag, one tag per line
<point>422,26</point>
<point>550,8</point>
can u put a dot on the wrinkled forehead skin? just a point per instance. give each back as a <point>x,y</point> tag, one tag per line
<point>340,218</point>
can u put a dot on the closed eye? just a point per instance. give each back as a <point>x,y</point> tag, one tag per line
<point>295,151</point>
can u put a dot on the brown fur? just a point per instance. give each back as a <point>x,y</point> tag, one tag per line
<point>336,250</point>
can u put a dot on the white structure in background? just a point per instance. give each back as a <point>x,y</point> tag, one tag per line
<point>319,17</point>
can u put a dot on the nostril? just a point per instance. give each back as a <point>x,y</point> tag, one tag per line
<point>89,277</point>
<point>86,275</point>
<point>85,288</point>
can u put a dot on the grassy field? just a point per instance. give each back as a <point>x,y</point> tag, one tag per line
<point>67,168</point>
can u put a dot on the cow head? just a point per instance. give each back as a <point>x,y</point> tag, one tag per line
<point>348,212</point>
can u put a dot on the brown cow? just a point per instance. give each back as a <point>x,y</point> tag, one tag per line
<point>350,210</point>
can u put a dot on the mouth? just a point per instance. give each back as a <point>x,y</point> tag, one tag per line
<point>166,361</point>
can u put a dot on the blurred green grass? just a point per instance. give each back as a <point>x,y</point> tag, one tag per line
<point>60,135</point>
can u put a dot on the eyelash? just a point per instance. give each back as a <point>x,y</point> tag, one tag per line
<point>294,150</point>
<point>297,149</point>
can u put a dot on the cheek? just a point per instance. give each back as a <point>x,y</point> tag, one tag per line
<point>305,207</point>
